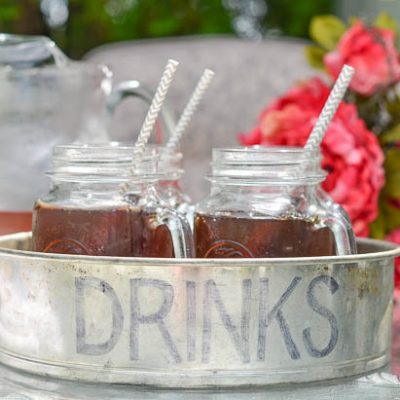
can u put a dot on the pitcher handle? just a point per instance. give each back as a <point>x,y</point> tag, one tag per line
<point>133,88</point>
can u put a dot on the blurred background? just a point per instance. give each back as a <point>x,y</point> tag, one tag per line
<point>80,25</point>
<point>249,73</point>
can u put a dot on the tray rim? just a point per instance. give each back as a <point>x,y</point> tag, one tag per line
<point>199,379</point>
<point>389,250</point>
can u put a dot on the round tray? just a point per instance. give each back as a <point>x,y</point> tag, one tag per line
<point>195,322</point>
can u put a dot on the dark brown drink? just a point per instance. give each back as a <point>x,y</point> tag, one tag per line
<point>119,231</point>
<point>231,237</point>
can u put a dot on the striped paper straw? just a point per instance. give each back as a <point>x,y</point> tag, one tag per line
<point>335,97</point>
<point>189,110</point>
<point>154,110</point>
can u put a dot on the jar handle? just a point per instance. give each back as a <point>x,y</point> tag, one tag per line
<point>181,233</point>
<point>342,231</point>
<point>134,88</point>
<point>338,221</point>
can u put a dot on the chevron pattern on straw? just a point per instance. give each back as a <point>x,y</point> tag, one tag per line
<point>155,108</point>
<point>151,117</point>
<point>335,97</point>
<point>189,110</point>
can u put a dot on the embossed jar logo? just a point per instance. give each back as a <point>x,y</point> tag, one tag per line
<point>228,249</point>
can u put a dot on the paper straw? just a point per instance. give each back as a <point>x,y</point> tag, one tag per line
<point>189,110</point>
<point>154,110</point>
<point>329,110</point>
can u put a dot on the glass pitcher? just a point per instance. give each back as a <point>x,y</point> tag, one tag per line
<point>46,99</point>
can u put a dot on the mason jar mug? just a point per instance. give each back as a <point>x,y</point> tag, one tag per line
<point>268,202</point>
<point>97,207</point>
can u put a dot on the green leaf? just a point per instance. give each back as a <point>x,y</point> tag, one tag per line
<point>392,217</point>
<point>390,136</point>
<point>166,27</point>
<point>385,21</point>
<point>315,56</point>
<point>353,20</point>
<point>392,186</point>
<point>393,108</point>
<point>392,161</point>
<point>9,13</point>
<point>378,228</point>
<point>327,30</point>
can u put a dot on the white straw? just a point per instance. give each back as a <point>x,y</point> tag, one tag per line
<point>329,110</point>
<point>189,110</point>
<point>154,110</point>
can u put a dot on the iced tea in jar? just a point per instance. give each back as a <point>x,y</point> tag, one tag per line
<point>268,202</point>
<point>97,207</point>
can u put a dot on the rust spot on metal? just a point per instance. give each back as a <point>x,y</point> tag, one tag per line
<point>365,281</point>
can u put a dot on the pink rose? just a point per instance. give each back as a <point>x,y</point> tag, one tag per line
<point>351,153</point>
<point>394,237</point>
<point>372,52</point>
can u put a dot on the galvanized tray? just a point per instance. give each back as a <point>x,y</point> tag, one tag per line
<point>19,385</point>
<point>195,323</point>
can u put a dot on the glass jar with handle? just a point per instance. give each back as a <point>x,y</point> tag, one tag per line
<point>267,202</point>
<point>96,207</point>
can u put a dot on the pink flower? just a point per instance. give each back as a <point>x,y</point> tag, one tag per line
<point>372,52</point>
<point>351,153</point>
<point>394,237</point>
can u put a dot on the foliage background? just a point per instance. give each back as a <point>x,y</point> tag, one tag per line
<point>90,23</point>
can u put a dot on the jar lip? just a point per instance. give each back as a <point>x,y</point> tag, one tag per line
<point>260,165</point>
<point>100,151</point>
<point>258,181</point>
<point>268,155</point>
<point>96,152</point>
<point>112,161</point>
<point>94,178</point>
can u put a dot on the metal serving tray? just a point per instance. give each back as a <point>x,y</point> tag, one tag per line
<point>195,322</point>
